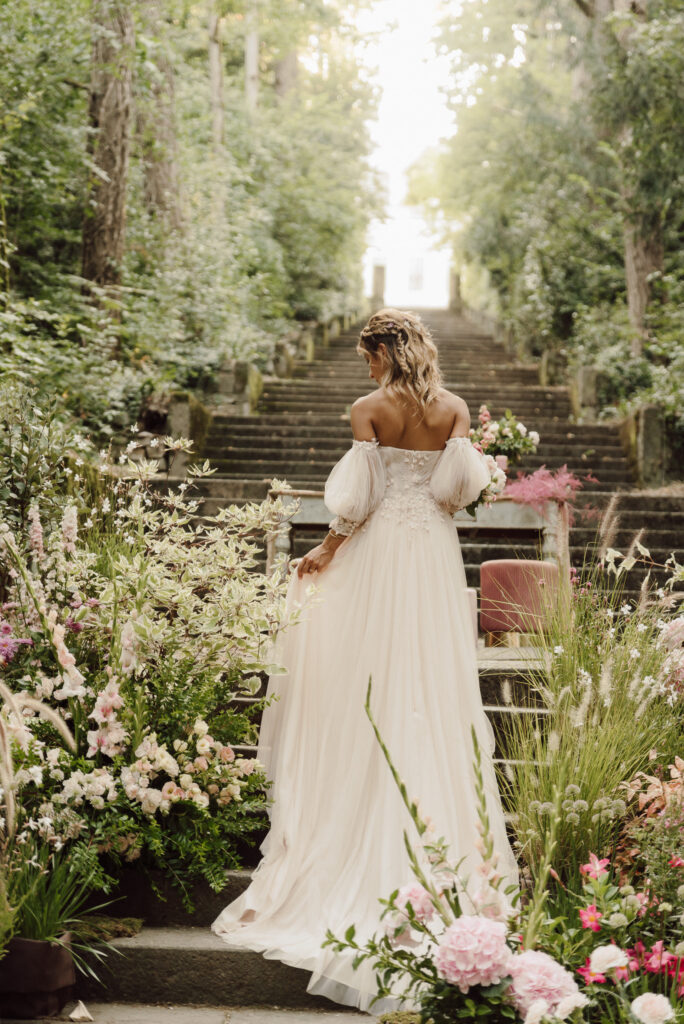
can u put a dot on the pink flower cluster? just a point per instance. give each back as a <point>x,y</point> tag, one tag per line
<point>397,923</point>
<point>9,645</point>
<point>210,771</point>
<point>537,978</point>
<point>110,736</point>
<point>473,951</point>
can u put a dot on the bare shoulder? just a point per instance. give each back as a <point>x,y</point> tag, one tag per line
<point>362,416</point>
<point>458,406</point>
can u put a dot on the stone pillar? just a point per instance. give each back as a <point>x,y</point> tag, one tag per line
<point>378,296</point>
<point>650,444</point>
<point>455,298</point>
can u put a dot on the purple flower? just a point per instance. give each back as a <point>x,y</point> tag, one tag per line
<point>73,625</point>
<point>5,628</point>
<point>9,645</point>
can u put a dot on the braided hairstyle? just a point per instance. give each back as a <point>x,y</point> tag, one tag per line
<point>412,369</point>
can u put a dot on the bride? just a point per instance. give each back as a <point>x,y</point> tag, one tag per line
<point>390,602</point>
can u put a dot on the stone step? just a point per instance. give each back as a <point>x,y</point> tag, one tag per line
<point>194,966</point>
<point>529,410</point>
<point>331,421</point>
<point>290,452</point>
<point>262,477</point>
<point>222,439</point>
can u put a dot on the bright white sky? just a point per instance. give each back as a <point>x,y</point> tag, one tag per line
<point>413,113</point>
<point>412,116</point>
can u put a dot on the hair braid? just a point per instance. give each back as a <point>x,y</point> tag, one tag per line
<point>412,360</point>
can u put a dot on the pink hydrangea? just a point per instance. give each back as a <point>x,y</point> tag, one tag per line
<point>473,951</point>
<point>536,976</point>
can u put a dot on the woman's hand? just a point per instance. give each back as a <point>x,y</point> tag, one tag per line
<point>319,557</point>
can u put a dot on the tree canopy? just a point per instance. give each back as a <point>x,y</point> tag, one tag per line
<point>162,207</point>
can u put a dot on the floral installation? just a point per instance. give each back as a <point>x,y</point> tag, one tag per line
<point>505,436</point>
<point>130,622</point>
<point>454,953</point>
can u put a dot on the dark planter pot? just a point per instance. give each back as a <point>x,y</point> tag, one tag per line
<point>36,978</point>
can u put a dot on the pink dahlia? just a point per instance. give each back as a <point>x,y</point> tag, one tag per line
<point>473,951</point>
<point>537,975</point>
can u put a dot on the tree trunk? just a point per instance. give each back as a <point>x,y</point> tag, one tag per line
<point>643,256</point>
<point>286,74</point>
<point>157,132</point>
<point>252,55</point>
<point>104,225</point>
<point>215,75</point>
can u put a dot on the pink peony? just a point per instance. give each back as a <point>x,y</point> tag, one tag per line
<point>473,951</point>
<point>536,976</point>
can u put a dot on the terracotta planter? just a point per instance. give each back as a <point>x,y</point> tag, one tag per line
<point>36,978</point>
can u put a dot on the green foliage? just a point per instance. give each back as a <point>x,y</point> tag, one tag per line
<point>265,228</point>
<point>139,627</point>
<point>566,140</point>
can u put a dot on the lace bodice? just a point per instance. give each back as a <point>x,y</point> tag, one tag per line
<point>406,486</point>
<point>407,498</point>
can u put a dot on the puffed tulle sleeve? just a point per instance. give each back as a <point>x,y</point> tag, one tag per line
<point>460,476</point>
<point>355,486</point>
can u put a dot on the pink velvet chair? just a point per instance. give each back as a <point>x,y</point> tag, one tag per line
<point>517,595</point>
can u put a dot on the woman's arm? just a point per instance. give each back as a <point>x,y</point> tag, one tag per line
<point>320,557</point>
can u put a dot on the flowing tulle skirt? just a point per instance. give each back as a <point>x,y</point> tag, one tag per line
<point>392,606</point>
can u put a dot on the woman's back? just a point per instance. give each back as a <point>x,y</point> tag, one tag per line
<point>398,424</point>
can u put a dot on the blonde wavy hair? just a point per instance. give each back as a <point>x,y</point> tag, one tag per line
<point>412,369</point>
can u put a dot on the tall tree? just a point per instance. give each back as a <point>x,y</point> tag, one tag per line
<point>156,121</point>
<point>109,112</point>
<point>215,73</point>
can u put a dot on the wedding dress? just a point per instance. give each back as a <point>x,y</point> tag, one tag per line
<point>392,605</point>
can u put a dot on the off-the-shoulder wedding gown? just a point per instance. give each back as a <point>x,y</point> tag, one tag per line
<point>392,604</point>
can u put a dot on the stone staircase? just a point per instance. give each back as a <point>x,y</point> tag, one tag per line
<point>176,959</point>
<point>299,431</point>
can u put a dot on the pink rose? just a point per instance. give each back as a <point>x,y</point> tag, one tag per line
<point>201,764</point>
<point>536,976</point>
<point>473,951</point>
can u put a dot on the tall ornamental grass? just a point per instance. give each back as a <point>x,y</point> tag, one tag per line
<point>610,694</point>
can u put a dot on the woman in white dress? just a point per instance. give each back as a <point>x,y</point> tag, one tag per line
<point>391,603</point>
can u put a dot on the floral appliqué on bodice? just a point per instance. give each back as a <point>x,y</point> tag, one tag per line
<point>407,499</point>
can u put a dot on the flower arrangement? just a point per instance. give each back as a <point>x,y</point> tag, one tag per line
<point>137,627</point>
<point>506,436</point>
<point>455,953</point>
<point>610,952</point>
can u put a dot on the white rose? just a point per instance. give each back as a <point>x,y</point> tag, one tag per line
<point>569,1004</point>
<point>534,437</point>
<point>507,432</point>
<point>493,428</point>
<point>521,428</point>
<point>151,800</point>
<point>607,958</point>
<point>185,781</point>
<point>537,1011</point>
<point>200,727</point>
<point>204,745</point>
<point>651,1008</point>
